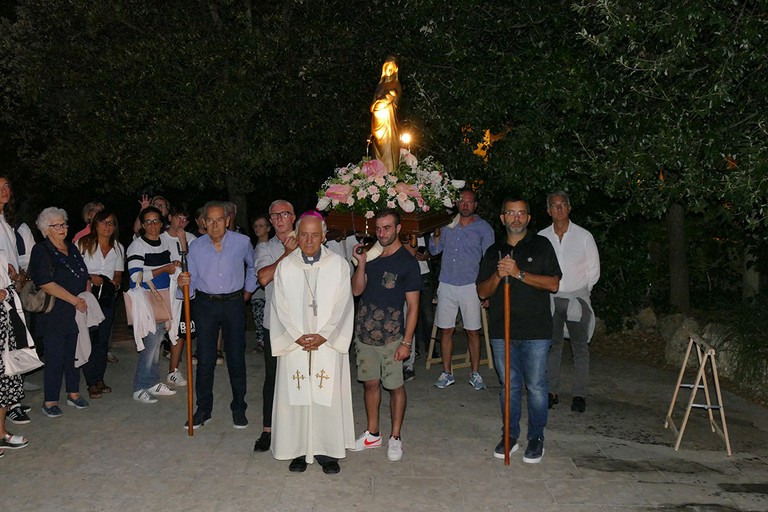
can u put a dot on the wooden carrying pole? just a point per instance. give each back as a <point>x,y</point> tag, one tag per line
<point>188,347</point>
<point>507,341</point>
<point>188,339</point>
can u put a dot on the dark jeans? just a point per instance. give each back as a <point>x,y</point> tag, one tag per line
<point>268,393</point>
<point>229,315</point>
<point>426,312</point>
<point>60,360</point>
<point>94,369</point>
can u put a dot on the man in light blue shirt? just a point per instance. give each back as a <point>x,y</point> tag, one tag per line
<point>463,243</point>
<point>222,277</point>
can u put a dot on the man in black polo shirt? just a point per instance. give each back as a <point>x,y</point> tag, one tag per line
<point>529,262</point>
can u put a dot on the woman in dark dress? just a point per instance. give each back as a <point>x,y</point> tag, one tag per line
<point>57,267</point>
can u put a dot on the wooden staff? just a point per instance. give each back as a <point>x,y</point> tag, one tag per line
<point>188,342</point>
<point>507,341</point>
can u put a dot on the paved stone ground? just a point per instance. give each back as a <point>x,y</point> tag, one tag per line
<point>125,456</point>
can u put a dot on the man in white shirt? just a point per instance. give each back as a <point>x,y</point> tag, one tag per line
<point>572,313</point>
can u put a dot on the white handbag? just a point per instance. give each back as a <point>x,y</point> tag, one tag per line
<point>21,360</point>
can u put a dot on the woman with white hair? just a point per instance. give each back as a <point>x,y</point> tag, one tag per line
<point>57,267</point>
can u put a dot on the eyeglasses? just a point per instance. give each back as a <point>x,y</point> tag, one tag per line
<point>280,215</point>
<point>63,225</point>
<point>107,223</point>
<point>151,222</point>
<point>513,213</point>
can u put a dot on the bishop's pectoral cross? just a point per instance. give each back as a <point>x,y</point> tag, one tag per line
<point>298,377</point>
<point>313,305</point>
<point>321,376</point>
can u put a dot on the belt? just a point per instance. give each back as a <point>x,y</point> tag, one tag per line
<point>221,296</point>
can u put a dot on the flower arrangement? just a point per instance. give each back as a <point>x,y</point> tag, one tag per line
<point>367,186</point>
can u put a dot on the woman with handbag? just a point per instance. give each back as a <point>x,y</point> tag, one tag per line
<point>57,267</point>
<point>11,387</point>
<point>150,267</point>
<point>15,265</point>
<point>104,257</point>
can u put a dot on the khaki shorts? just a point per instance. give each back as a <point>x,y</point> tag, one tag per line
<point>378,363</point>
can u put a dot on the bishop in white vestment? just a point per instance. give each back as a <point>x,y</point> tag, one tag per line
<point>311,323</point>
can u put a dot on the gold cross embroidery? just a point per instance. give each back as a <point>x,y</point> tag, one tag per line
<point>298,377</point>
<point>322,376</point>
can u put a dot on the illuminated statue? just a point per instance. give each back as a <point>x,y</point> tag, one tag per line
<point>386,136</point>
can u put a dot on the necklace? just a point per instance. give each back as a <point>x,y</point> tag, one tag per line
<point>312,290</point>
<point>81,270</point>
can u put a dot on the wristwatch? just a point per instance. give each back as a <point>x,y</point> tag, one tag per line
<point>521,275</point>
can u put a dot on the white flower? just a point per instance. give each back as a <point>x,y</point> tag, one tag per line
<point>369,214</point>
<point>391,204</point>
<point>458,184</point>
<point>447,202</point>
<point>409,159</point>
<point>323,203</point>
<point>350,201</point>
<point>375,198</point>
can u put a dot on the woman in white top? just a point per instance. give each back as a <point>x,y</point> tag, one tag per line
<point>176,239</point>
<point>105,258</point>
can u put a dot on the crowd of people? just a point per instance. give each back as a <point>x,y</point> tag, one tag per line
<point>312,299</point>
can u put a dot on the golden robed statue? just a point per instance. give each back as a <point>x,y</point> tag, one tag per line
<point>386,135</point>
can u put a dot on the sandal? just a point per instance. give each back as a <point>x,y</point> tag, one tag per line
<point>103,387</point>
<point>13,442</point>
<point>94,392</point>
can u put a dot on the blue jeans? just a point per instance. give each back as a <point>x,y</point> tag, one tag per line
<point>527,362</point>
<point>149,360</point>
<point>229,315</point>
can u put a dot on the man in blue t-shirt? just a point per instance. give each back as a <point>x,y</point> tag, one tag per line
<point>383,340</point>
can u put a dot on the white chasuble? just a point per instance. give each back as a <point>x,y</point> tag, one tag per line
<point>312,412</point>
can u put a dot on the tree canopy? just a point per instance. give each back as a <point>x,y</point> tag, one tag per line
<point>632,108</point>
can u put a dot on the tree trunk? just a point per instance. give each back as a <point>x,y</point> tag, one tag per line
<point>750,277</point>
<point>679,284</point>
<point>236,195</point>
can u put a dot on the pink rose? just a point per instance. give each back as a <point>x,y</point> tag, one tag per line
<point>339,192</point>
<point>409,190</point>
<point>373,169</point>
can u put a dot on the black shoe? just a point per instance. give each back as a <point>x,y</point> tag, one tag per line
<point>498,452</point>
<point>239,421</point>
<point>552,401</point>
<point>263,442</point>
<point>198,420</point>
<point>578,404</point>
<point>18,416</point>
<point>330,467</point>
<point>298,465</point>
<point>408,374</point>
<point>534,451</point>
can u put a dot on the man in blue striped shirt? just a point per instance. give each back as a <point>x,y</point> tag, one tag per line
<point>222,278</point>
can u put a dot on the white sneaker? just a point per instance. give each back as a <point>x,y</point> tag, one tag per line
<point>175,378</point>
<point>144,396</point>
<point>161,389</point>
<point>366,440</point>
<point>395,449</point>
